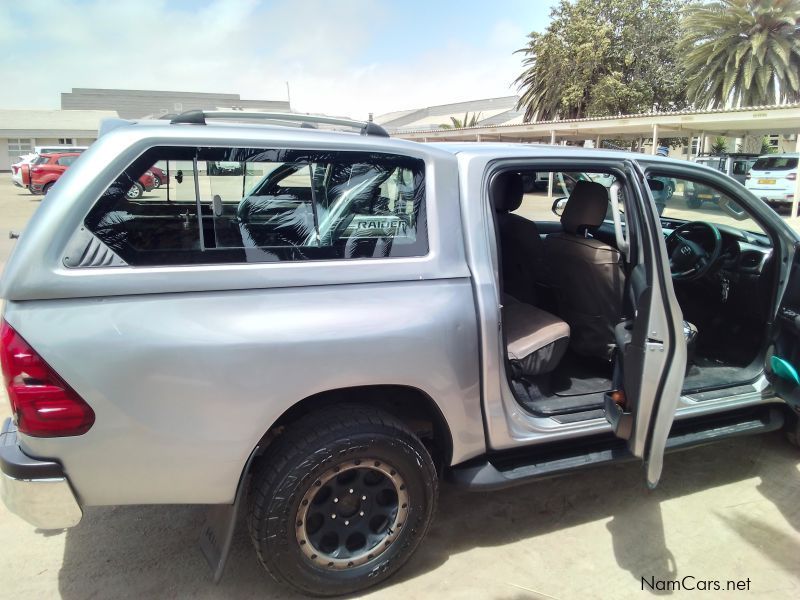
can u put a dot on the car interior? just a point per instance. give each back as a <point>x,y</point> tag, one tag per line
<point>563,286</point>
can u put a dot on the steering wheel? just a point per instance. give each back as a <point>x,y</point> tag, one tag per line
<point>689,260</point>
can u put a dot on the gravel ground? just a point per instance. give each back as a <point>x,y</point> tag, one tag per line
<point>729,511</point>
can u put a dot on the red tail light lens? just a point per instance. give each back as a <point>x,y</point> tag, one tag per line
<point>42,403</point>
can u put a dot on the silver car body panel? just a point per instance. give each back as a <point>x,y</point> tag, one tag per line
<point>184,386</point>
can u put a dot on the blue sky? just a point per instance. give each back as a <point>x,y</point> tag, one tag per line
<point>346,57</point>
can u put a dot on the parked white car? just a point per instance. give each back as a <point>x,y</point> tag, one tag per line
<point>18,167</point>
<point>773,178</point>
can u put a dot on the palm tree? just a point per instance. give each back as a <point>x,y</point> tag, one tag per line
<point>720,145</point>
<point>467,121</point>
<point>742,52</point>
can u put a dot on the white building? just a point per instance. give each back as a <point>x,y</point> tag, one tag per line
<point>22,130</point>
<point>138,104</point>
<point>82,109</point>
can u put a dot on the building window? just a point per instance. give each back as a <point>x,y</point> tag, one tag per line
<point>774,140</point>
<point>264,205</point>
<point>66,141</point>
<point>19,147</point>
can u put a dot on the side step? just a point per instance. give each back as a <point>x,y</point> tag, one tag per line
<point>516,467</point>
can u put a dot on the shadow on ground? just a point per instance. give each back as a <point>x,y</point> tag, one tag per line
<point>152,551</point>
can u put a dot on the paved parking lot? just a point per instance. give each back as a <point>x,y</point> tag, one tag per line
<point>730,511</point>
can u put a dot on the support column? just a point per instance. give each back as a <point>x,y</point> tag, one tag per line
<point>477,137</point>
<point>597,142</point>
<point>654,149</point>
<point>700,143</point>
<point>550,175</point>
<point>796,198</point>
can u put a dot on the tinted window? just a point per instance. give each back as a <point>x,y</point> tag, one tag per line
<point>66,161</point>
<point>265,205</point>
<point>740,167</point>
<point>775,163</point>
<point>40,160</point>
<point>714,162</point>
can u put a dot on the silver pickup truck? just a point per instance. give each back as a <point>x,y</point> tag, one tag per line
<point>323,332</point>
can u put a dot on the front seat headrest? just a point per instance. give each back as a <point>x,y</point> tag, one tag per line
<point>506,191</point>
<point>586,207</point>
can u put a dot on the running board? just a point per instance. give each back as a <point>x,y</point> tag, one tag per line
<point>512,468</point>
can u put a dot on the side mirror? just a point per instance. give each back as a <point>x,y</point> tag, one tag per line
<point>179,176</point>
<point>559,205</point>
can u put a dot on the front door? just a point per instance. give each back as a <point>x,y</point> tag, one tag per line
<point>651,346</point>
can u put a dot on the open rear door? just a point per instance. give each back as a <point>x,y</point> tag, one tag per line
<point>651,346</point>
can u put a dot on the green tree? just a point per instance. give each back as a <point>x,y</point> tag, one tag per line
<point>467,121</point>
<point>603,57</point>
<point>766,147</point>
<point>720,145</point>
<point>742,52</point>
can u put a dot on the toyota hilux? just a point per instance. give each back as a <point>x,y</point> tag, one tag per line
<point>321,335</point>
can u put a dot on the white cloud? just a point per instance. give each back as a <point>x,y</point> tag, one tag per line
<point>321,48</point>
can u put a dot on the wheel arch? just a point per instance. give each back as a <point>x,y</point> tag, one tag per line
<point>409,404</point>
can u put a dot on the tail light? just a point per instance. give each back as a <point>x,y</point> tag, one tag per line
<point>36,169</point>
<point>748,176</point>
<point>791,176</point>
<point>42,403</point>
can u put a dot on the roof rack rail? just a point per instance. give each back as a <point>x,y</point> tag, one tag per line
<point>198,117</point>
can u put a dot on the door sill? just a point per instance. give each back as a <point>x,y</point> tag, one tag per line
<point>518,466</point>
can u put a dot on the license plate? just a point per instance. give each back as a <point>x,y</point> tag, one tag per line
<point>705,196</point>
<point>766,181</point>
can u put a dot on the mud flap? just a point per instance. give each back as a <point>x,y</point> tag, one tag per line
<point>216,535</point>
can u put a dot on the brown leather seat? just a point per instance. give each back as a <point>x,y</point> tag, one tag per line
<point>535,339</point>
<point>521,248</point>
<point>586,273</point>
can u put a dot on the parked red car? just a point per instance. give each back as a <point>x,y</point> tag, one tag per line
<point>47,168</point>
<point>159,176</point>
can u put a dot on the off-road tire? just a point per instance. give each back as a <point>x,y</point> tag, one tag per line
<point>308,451</point>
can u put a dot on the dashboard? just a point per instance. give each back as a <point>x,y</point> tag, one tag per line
<point>743,252</point>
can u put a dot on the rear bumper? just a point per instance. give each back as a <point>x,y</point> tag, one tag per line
<point>36,490</point>
<point>771,196</point>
